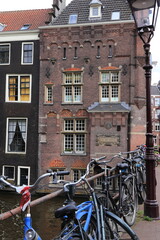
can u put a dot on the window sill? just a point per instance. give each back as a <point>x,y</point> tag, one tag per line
<point>73,154</point>
<point>72,103</point>
<point>48,104</point>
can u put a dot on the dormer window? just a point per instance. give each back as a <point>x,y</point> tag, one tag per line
<point>2,26</point>
<point>95,9</point>
<point>25,27</point>
<point>73,18</point>
<point>115,15</point>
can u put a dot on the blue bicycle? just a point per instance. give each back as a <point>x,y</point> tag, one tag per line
<point>29,232</point>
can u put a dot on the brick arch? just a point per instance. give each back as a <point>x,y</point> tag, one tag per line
<point>81,113</point>
<point>66,113</point>
<point>76,43</point>
<point>51,114</point>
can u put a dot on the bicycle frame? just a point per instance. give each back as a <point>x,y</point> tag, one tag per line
<point>28,229</point>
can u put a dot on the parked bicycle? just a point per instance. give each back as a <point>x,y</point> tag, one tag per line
<point>29,231</point>
<point>122,199</point>
<point>90,220</point>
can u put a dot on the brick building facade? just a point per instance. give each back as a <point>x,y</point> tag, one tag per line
<point>92,86</point>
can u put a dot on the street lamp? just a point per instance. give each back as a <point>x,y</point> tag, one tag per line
<point>145,14</point>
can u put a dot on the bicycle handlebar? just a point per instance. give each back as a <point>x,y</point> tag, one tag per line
<point>32,187</point>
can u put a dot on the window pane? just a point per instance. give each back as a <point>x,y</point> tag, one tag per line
<point>77,77</point>
<point>80,125</point>
<point>68,94</point>
<point>24,89</point>
<point>80,143</point>
<point>17,135</point>
<point>95,11</point>
<point>9,172</point>
<point>27,53</point>
<point>115,77</point>
<point>105,93</point>
<point>68,143</point>
<point>4,54</point>
<point>75,175</point>
<point>13,88</point>
<point>114,97</point>
<point>105,77</point>
<point>49,94</point>
<point>69,125</point>
<point>68,78</point>
<point>77,94</point>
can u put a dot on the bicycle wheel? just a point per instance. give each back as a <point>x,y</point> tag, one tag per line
<point>106,202</point>
<point>129,202</point>
<point>122,230</point>
<point>141,186</point>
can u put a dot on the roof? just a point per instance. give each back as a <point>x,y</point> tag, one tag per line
<point>82,7</point>
<point>109,107</point>
<point>15,20</point>
<point>155,90</point>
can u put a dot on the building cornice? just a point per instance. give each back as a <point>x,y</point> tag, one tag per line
<point>86,24</point>
<point>19,36</point>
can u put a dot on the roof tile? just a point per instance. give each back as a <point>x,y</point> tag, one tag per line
<point>14,20</point>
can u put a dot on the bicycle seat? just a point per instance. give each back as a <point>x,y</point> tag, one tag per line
<point>137,160</point>
<point>122,166</point>
<point>65,210</point>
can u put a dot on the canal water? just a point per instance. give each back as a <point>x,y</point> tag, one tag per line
<point>44,221</point>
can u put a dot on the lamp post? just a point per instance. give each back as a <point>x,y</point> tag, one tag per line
<point>145,14</point>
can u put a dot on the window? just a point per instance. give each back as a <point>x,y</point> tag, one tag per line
<point>95,9</point>
<point>16,135</point>
<point>9,171</point>
<point>18,88</point>
<point>157,113</point>
<point>25,27</point>
<point>77,174</point>
<point>72,87</point>
<point>4,54</point>
<point>2,26</point>
<point>49,93</point>
<point>110,86</point>
<point>74,136</point>
<point>157,102</point>
<point>157,126</point>
<point>73,18</point>
<point>27,53</point>
<point>115,15</point>
<point>98,52</point>
<point>75,53</point>
<point>64,53</point>
<point>61,177</point>
<point>110,51</point>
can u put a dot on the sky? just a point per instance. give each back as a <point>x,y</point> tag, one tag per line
<point>8,5</point>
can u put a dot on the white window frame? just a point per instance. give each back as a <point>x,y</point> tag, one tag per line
<point>73,18</point>
<point>48,99</point>
<point>3,171</point>
<point>92,11</point>
<point>18,178</point>
<point>157,101</point>
<point>111,84</point>
<point>19,82</point>
<point>157,126</point>
<point>22,53</point>
<point>80,172</point>
<point>72,85</point>
<point>7,129</point>
<point>115,15</point>
<point>9,57</point>
<point>73,132</point>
